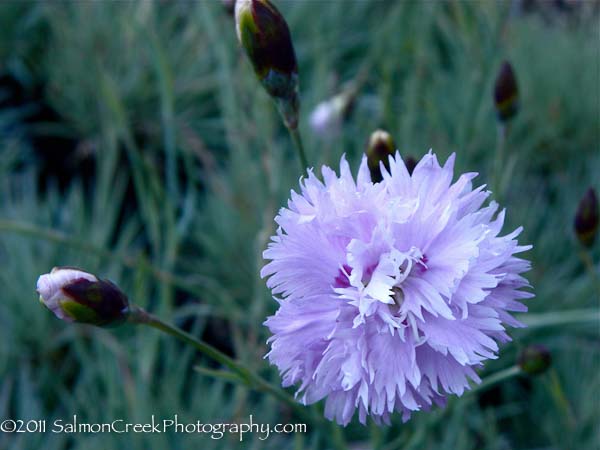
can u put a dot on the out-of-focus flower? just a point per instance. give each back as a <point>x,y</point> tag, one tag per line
<point>77,296</point>
<point>506,93</point>
<point>328,116</point>
<point>265,36</point>
<point>229,6</point>
<point>379,149</point>
<point>534,359</point>
<point>587,218</point>
<point>390,294</point>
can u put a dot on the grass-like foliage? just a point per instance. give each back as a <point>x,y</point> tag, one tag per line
<point>135,142</point>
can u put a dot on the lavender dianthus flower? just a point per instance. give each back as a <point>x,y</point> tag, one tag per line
<point>390,294</point>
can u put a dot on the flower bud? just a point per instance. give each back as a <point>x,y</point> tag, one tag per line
<point>534,359</point>
<point>506,93</point>
<point>327,117</point>
<point>587,218</point>
<point>77,296</point>
<point>381,146</point>
<point>265,36</point>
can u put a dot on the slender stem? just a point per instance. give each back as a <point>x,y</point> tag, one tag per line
<point>496,378</point>
<point>556,390</point>
<point>219,374</point>
<point>588,262</point>
<point>297,140</point>
<point>140,316</point>
<point>498,156</point>
<point>560,318</point>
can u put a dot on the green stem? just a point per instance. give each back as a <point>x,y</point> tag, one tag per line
<point>560,398</point>
<point>588,262</point>
<point>220,374</point>
<point>297,140</point>
<point>560,318</point>
<point>140,316</point>
<point>496,378</point>
<point>498,156</point>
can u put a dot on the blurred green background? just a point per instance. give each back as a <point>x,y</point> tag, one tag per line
<point>136,143</point>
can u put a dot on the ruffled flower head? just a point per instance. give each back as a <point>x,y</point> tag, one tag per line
<point>390,294</point>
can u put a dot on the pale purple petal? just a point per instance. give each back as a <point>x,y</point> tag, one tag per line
<point>390,294</point>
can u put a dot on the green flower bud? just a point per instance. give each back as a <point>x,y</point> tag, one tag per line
<point>534,359</point>
<point>77,296</point>
<point>380,147</point>
<point>265,36</point>
<point>506,93</point>
<point>587,218</point>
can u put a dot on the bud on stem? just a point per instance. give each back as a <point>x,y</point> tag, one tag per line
<point>265,37</point>
<point>506,93</point>
<point>77,296</point>
<point>327,117</point>
<point>535,359</point>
